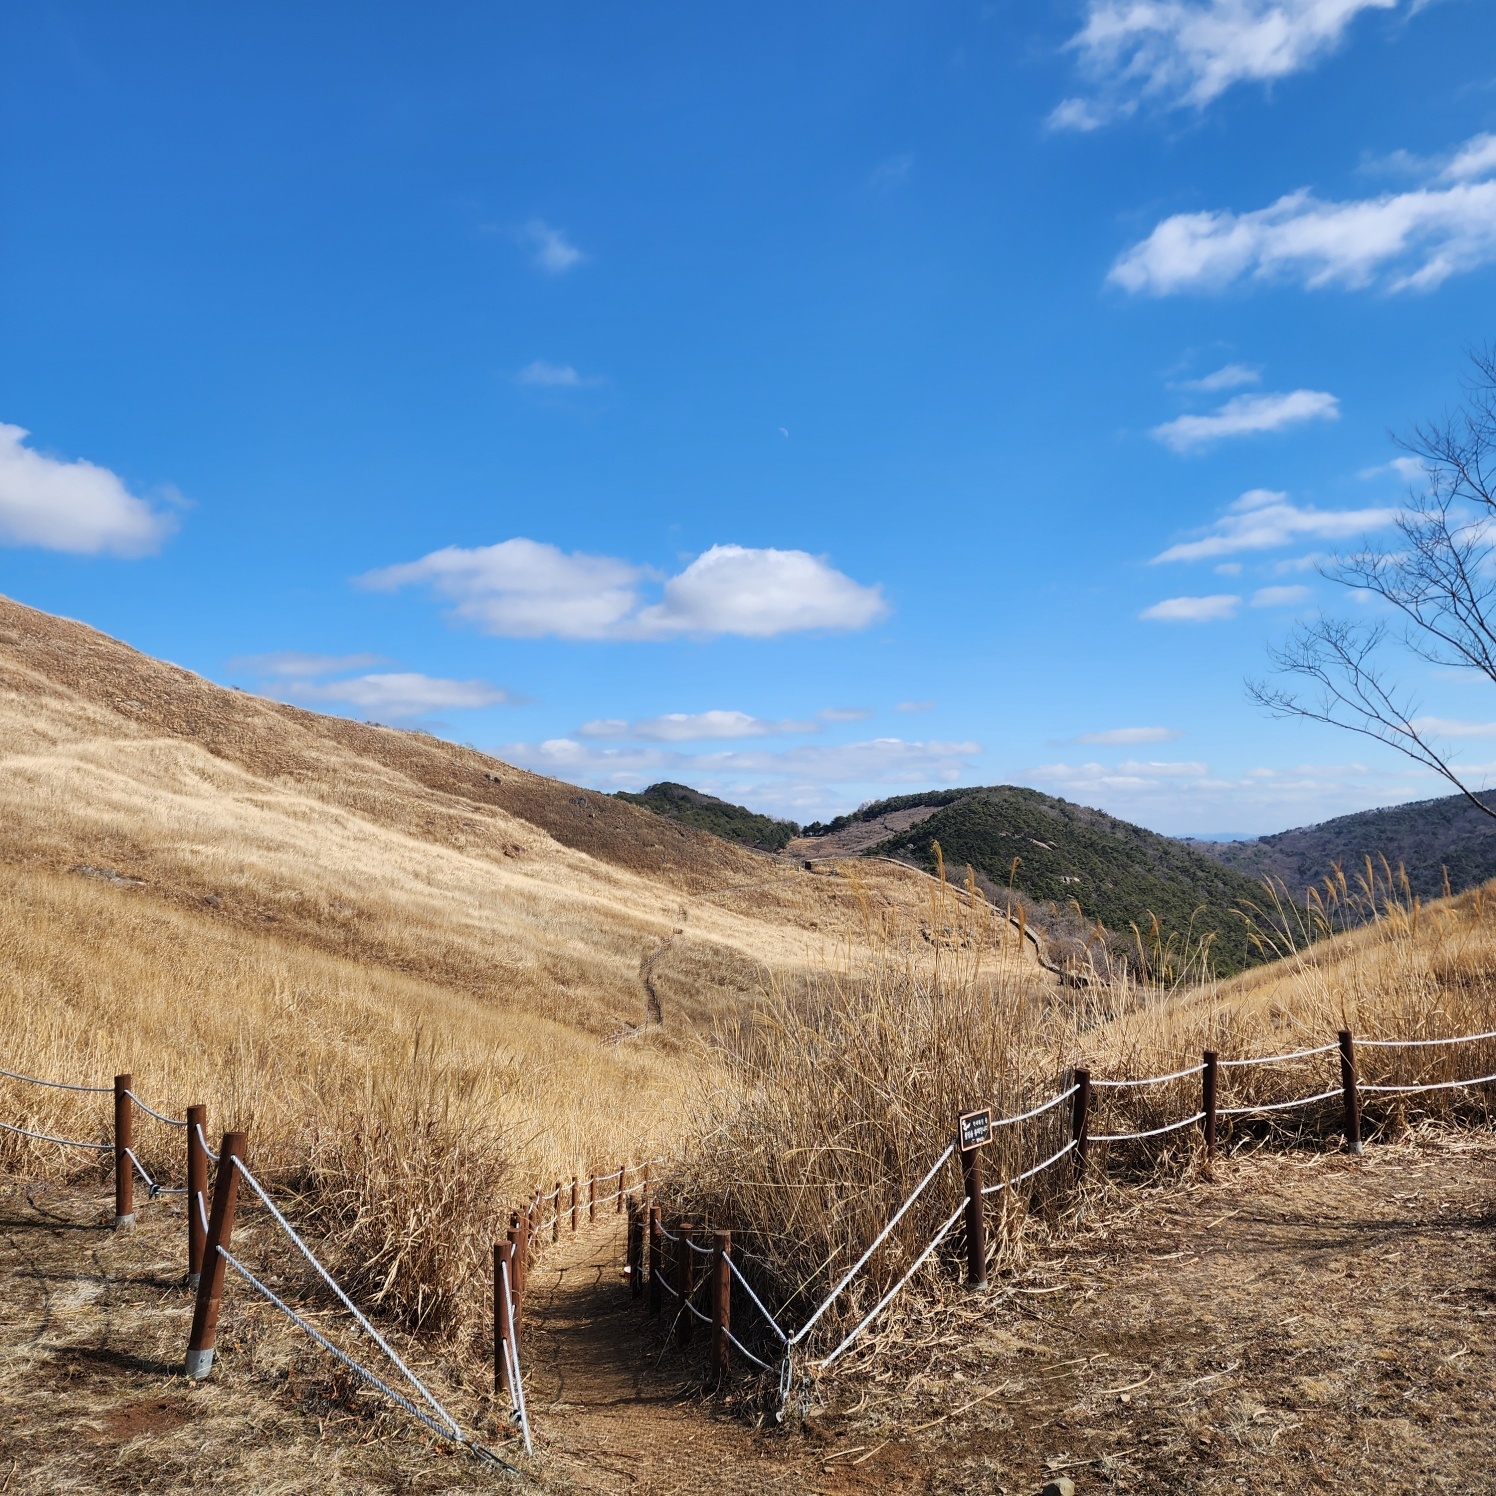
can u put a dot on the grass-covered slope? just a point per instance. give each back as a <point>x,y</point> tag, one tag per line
<point>1426,838</point>
<point>1116,872</point>
<point>735,823</point>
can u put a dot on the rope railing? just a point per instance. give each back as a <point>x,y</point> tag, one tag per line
<point>1152,1080</point>
<point>1153,1132</point>
<point>46,1137</point>
<point>58,1085</point>
<point>151,1111</point>
<point>1054,1158</point>
<point>1422,1043</point>
<point>1278,1106</point>
<point>1442,1085</point>
<point>1280,1059</point>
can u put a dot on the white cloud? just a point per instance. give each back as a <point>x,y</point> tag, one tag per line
<point>1448,727</point>
<point>807,780</point>
<point>1245,414</point>
<point>71,506</point>
<point>1193,609</point>
<point>1119,737</point>
<point>692,727</point>
<point>1230,377</point>
<point>1404,241</point>
<point>1186,53</point>
<point>399,693</point>
<point>915,706</point>
<point>844,714</point>
<point>1262,519</point>
<point>1228,569</point>
<point>731,589</point>
<point>554,252</point>
<point>553,376</point>
<point>1280,597</point>
<point>1409,469</point>
<point>524,589</point>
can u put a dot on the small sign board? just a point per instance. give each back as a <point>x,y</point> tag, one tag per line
<point>976,1129</point>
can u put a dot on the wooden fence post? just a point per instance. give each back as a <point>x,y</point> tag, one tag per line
<point>503,1256</point>
<point>124,1141</point>
<point>721,1300</point>
<point>1352,1094</point>
<point>1080,1118</point>
<point>636,1251</point>
<point>623,1172</point>
<point>655,1254</point>
<point>976,1225</point>
<point>197,1191</point>
<point>556,1219</point>
<point>204,1334</point>
<point>1208,1086</point>
<point>685,1280</point>
<point>592,1200</point>
<point>575,1198</point>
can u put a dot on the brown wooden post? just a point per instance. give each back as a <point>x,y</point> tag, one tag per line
<point>575,1199</point>
<point>655,1255</point>
<point>685,1280</point>
<point>1352,1094</point>
<point>197,1191</point>
<point>1080,1118</point>
<point>623,1174</point>
<point>124,1141</point>
<point>636,1251</point>
<point>204,1334</point>
<point>503,1256</point>
<point>556,1219</point>
<point>592,1200</point>
<point>976,1225</point>
<point>721,1300</point>
<point>1208,1086</point>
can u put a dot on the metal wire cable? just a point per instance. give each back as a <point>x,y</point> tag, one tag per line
<point>1054,1158</point>
<point>155,1189</point>
<point>457,1438</point>
<point>1443,1085</point>
<point>59,1085</point>
<point>1128,1137</point>
<point>748,1288</point>
<point>878,1241</point>
<point>1276,1106</point>
<point>44,1137</point>
<point>1038,1110</point>
<point>170,1121</point>
<point>745,1352</point>
<point>1278,1059</point>
<point>1421,1043</point>
<point>1152,1080</point>
<point>348,1303</point>
<point>878,1308</point>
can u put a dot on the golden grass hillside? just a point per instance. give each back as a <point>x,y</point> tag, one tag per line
<point>423,980</point>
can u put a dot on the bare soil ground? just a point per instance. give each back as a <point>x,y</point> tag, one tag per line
<point>1307,1323</point>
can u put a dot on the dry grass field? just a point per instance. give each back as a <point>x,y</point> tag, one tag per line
<point>426,982</point>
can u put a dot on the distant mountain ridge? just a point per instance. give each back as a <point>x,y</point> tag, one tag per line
<point>1426,838</point>
<point>734,823</point>
<point>1055,852</point>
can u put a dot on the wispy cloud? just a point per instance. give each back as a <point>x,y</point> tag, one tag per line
<point>526,589</point>
<point>1280,597</point>
<point>810,779</point>
<point>1229,377</point>
<point>554,376</point>
<point>1186,53</point>
<point>1263,519</point>
<point>401,693</point>
<point>1193,609</point>
<point>1450,727</point>
<point>1121,737</point>
<point>844,714</point>
<point>294,664</point>
<point>692,727</point>
<point>76,506</point>
<point>894,172</point>
<point>915,706</point>
<point>1404,241</point>
<point>553,251</point>
<point>1243,415</point>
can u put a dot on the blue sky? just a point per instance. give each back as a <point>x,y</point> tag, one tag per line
<point>810,404</point>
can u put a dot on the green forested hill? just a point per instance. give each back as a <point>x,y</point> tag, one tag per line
<point>679,802</point>
<point>1116,872</point>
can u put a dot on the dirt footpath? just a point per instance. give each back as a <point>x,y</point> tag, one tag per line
<point>1307,1323</point>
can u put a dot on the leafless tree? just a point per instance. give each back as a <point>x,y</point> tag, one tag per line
<point>1438,580</point>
